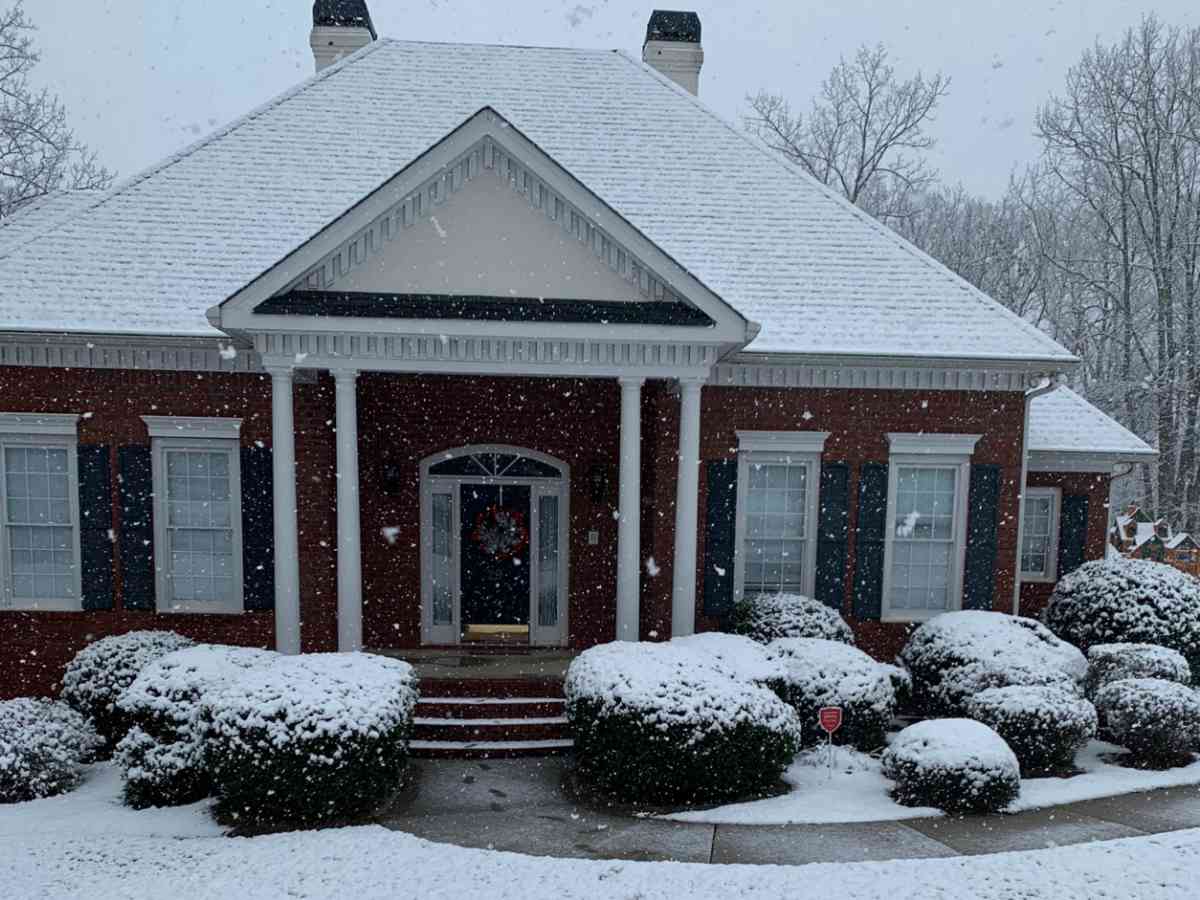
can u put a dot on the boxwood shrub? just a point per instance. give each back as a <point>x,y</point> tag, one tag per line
<point>1114,662</point>
<point>1157,721</point>
<point>1128,601</point>
<point>1044,726</point>
<point>957,765</point>
<point>662,724</point>
<point>766,617</point>
<point>94,680</point>
<point>309,739</point>
<point>162,756</point>
<point>44,745</point>
<point>818,673</point>
<point>954,656</point>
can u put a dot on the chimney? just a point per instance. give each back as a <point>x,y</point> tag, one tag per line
<point>339,28</point>
<point>673,47</point>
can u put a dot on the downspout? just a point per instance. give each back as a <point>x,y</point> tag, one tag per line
<point>1045,387</point>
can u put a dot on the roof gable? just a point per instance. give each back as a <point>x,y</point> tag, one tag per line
<point>482,211</point>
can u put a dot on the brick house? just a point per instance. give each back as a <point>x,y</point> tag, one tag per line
<point>460,343</point>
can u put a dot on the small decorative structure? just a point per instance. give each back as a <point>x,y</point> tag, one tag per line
<point>1135,535</point>
<point>501,533</point>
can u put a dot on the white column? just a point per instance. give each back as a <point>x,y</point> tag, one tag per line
<point>629,523</point>
<point>683,597</point>
<point>287,545</point>
<point>349,544</point>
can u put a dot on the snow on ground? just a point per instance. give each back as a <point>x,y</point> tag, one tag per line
<point>85,845</point>
<point>372,862</point>
<point>94,809</point>
<point>857,791</point>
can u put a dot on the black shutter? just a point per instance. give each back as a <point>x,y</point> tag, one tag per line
<point>720,530</point>
<point>1072,533</point>
<point>833,532</point>
<point>983,507</point>
<point>95,527</point>
<point>258,528</point>
<point>137,527</point>
<point>869,537</point>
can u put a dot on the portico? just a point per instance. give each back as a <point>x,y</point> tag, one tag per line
<point>483,258</point>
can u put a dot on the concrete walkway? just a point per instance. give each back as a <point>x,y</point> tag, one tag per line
<point>517,805</point>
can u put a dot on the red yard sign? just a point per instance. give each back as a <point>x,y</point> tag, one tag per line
<point>830,718</point>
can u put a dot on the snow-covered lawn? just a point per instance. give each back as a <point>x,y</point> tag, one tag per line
<point>85,845</point>
<point>857,791</point>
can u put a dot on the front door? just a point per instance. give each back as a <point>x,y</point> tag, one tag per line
<point>494,540</point>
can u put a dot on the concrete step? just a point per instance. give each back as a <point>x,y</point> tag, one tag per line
<point>492,688</point>
<point>490,707</point>
<point>532,728</point>
<point>488,749</point>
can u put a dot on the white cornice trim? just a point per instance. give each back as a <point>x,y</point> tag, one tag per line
<point>62,424</point>
<point>850,374</point>
<point>192,427</point>
<point>782,441</point>
<point>932,444</point>
<point>1088,462</point>
<point>143,352</point>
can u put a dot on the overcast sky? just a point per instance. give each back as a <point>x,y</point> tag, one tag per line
<point>142,78</point>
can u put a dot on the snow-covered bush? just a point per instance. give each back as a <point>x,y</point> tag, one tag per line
<point>954,764</point>
<point>741,657</point>
<point>1157,720</point>
<point>958,654</point>
<point>95,678</point>
<point>162,755</point>
<point>309,738</point>
<point>766,617</point>
<point>1114,662</point>
<point>43,747</point>
<point>1044,726</point>
<point>1128,601</point>
<point>902,684</point>
<point>662,723</point>
<point>820,673</point>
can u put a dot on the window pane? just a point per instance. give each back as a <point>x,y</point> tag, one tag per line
<point>200,527</point>
<point>776,527</point>
<point>41,534</point>
<point>1035,541</point>
<point>442,601</point>
<point>924,529</point>
<point>548,561</point>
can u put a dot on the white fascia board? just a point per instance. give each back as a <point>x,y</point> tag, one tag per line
<point>192,427</point>
<point>782,441</point>
<point>1044,365</point>
<point>1082,461</point>
<point>62,424</point>
<point>932,444</point>
<point>236,313</point>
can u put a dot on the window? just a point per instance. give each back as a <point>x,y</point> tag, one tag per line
<point>928,480</point>
<point>778,486</point>
<point>197,513</point>
<point>1039,537</point>
<point>39,561</point>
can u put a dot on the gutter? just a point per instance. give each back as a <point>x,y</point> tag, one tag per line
<point>1046,387</point>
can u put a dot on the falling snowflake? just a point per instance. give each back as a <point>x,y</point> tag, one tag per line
<point>390,533</point>
<point>652,568</point>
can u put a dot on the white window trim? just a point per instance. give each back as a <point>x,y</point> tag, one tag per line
<point>42,430</point>
<point>795,448</point>
<point>194,433</point>
<point>939,450</point>
<point>1049,576</point>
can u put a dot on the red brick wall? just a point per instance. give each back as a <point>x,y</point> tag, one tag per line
<point>34,646</point>
<point>405,418</point>
<point>1035,595</point>
<point>858,422</point>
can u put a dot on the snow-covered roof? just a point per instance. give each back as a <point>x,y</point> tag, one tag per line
<point>41,215</point>
<point>821,277</point>
<point>1063,422</point>
<point>1178,540</point>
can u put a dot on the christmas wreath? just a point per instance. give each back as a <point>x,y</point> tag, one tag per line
<point>500,532</point>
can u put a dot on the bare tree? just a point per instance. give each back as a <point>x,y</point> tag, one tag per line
<point>38,150</point>
<point>865,134</point>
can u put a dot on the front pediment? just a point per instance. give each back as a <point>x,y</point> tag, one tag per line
<point>482,217</point>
